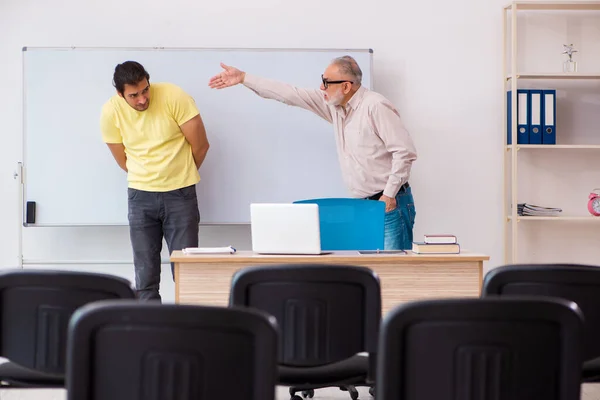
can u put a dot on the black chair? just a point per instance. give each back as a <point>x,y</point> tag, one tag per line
<point>326,314</point>
<point>578,283</point>
<point>149,351</point>
<point>481,349</point>
<point>35,309</point>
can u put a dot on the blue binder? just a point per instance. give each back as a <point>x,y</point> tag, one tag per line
<point>536,107</point>
<point>523,116</point>
<point>549,116</point>
<point>350,224</point>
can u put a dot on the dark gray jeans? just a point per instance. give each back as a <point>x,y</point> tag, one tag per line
<point>173,214</point>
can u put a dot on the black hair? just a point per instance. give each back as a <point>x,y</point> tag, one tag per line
<point>129,73</point>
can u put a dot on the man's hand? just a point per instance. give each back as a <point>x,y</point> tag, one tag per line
<point>229,77</point>
<point>390,202</point>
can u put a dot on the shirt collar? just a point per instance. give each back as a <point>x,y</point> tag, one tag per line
<point>357,97</point>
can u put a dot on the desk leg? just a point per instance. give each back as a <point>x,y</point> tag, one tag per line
<point>177,282</point>
<point>480,265</point>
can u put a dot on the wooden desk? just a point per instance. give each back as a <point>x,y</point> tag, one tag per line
<point>206,279</point>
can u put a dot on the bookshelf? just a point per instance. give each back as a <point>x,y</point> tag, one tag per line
<point>553,147</point>
<point>559,75</point>
<point>517,77</point>
<point>556,219</point>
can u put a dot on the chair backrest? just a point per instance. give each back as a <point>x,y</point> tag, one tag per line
<point>325,313</point>
<point>350,224</point>
<point>578,283</point>
<point>131,350</point>
<point>481,349</point>
<point>36,306</point>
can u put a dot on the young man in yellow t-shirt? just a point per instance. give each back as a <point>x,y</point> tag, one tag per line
<point>156,134</point>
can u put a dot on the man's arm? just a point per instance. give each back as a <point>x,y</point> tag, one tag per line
<point>397,140</point>
<point>195,134</point>
<point>308,99</point>
<point>183,108</point>
<point>118,152</point>
<point>111,135</point>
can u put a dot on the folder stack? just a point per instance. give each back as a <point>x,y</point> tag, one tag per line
<point>536,116</point>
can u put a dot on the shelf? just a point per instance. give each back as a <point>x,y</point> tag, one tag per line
<point>554,146</point>
<point>554,75</point>
<point>582,219</point>
<point>518,74</point>
<point>554,5</point>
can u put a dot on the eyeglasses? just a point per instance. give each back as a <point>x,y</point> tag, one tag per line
<point>326,83</point>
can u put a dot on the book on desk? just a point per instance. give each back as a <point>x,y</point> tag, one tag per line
<point>439,239</point>
<point>437,244</point>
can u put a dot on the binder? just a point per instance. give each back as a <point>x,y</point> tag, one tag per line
<point>523,116</point>
<point>549,116</point>
<point>535,121</point>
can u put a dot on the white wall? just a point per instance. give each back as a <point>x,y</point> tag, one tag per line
<point>440,62</point>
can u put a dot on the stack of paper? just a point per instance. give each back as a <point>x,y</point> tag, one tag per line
<point>525,209</point>
<point>209,250</point>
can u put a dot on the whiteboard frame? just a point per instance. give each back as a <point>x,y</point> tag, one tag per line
<point>22,168</point>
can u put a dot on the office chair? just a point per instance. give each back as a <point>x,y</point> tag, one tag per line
<point>481,349</point>
<point>327,315</point>
<point>148,351</point>
<point>350,224</point>
<point>577,283</point>
<point>36,306</point>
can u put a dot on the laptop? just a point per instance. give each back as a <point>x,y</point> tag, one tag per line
<point>284,228</point>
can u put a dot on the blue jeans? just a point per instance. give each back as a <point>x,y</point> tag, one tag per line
<point>173,214</point>
<point>399,222</point>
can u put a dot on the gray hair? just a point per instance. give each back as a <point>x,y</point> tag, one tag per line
<point>349,67</point>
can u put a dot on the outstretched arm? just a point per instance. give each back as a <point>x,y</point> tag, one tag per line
<point>309,99</point>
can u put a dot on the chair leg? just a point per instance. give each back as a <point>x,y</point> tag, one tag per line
<point>308,393</point>
<point>293,391</point>
<point>352,390</point>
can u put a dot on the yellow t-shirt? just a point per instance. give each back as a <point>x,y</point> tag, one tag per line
<point>159,158</point>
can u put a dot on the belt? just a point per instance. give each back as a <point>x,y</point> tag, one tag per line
<point>376,196</point>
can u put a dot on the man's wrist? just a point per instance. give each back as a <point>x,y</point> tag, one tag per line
<point>389,193</point>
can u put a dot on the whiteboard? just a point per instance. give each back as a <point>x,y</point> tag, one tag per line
<point>261,150</point>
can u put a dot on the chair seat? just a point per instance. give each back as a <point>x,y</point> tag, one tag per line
<point>14,375</point>
<point>591,370</point>
<point>351,370</point>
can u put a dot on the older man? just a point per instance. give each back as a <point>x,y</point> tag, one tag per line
<point>375,150</point>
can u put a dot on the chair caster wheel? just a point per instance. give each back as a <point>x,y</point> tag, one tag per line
<point>310,393</point>
<point>294,396</point>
